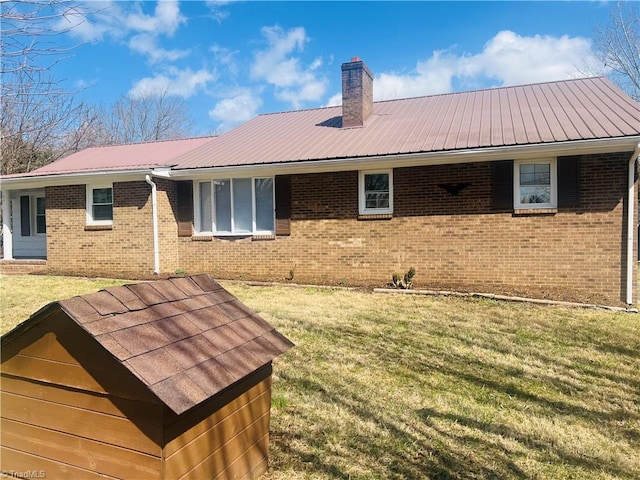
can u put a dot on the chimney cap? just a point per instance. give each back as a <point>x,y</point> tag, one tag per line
<point>355,59</point>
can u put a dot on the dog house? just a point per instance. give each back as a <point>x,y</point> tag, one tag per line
<point>168,379</point>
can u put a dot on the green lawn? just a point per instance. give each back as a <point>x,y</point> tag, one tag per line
<point>392,386</point>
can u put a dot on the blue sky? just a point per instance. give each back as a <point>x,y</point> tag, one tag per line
<point>233,60</point>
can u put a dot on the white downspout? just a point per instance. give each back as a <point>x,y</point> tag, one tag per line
<point>154,207</point>
<point>7,235</point>
<point>630,224</point>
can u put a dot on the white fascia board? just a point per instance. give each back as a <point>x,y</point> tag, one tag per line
<point>82,178</point>
<point>520,152</point>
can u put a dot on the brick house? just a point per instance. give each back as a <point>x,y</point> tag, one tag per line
<point>524,190</point>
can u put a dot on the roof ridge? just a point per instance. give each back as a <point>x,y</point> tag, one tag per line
<point>461,92</point>
<point>146,142</point>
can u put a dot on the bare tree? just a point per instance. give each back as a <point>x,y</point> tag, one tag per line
<point>39,122</point>
<point>156,116</point>
<point>38,114</point>
<point>617,46</point>
<point>28,29</point>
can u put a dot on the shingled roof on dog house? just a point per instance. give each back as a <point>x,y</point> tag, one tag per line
<point>167,379</point>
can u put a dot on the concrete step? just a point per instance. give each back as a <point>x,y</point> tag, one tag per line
<point>22,267</point>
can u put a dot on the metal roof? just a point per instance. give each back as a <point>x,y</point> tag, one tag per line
<point>186,339</point>
<point>134,156</point>
<point>581,109</point>
<point>535,114</point>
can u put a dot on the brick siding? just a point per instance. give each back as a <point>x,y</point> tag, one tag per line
<point>453,241</point>
<point>124,250</point>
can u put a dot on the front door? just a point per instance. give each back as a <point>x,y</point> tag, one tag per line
<point>29,226</point>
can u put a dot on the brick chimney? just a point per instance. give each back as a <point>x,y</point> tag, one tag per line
<point>357,93</point>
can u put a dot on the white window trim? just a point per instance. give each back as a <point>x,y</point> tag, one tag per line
<point>553,183</point>
<point>197,211</point>
<point>89,203</point>
<point>213,230</point>
<point>33,207</point>
<point>361,196</point>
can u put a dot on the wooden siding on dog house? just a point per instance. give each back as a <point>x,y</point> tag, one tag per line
<point>168,379</point>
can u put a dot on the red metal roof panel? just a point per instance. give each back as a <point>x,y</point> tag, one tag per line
<point>580,109</point>
<point>570,110</point>
<point>123,157</point>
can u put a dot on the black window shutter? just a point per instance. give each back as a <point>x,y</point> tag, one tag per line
<point>502,189</point>
<point>568,182</point>
<point>184,192</point>
<point>25,217</point>
<point>283,204</point>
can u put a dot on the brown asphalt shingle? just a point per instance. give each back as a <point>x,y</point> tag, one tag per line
<point>80,308</point>
<point>146,293</point>
<point>186,339</point>
<point>128,298</point>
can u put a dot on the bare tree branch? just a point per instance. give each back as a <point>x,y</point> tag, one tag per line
<point>617,46</point>
<point>156,116</point>
<point>40,118</point>
<point>27,30</point>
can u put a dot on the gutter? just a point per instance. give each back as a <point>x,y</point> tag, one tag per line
<point>631,207</point>
<point>398,160</point>
<point>154,207</point>
<point>75,178</point>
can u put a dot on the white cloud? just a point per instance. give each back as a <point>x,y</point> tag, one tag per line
<point>430,77</point>
<point>294,82</point>
<point>235,109</point>
<point>182,83</point>
<point>334,100</point>
<point>274,64</point>
<point>92,21</point>
<point>166,20</point>
<point>310,91</point>
<point>225,57</point>
<point>95,20</point>
<point>146,44</point>
<point>512,59</point>
<point>506,59</point>
<point>216,10</point>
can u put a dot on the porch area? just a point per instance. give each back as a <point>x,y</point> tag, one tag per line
<point>22,267</point>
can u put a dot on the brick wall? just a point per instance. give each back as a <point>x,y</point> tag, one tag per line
<point>453,241</point>
<point>125,249</point>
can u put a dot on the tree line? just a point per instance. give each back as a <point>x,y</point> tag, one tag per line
<point>41,120</point>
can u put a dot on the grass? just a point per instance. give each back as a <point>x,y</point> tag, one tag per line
<point>23,295</point>
<point>390,386</point>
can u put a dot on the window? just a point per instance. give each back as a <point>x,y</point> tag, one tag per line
<point>99,204</point>
<point>32,216</point>
<point>376,192</point>
<point>535,184</point>
<point>236,206</point>
<point>40,219</point>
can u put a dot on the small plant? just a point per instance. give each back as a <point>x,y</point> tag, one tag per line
<point>279,401</point>
<point>292,274</point>
<point>180,271</point>
<point>404,282</point>
<point>343,282</point>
